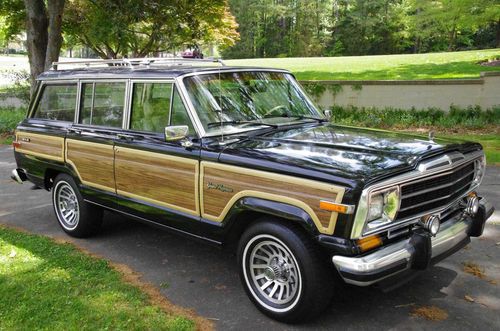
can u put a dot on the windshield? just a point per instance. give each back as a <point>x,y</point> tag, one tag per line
<point>231,102</point>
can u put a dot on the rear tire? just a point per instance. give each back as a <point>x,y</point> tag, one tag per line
<point>282,273</point>
<point>75,216</point>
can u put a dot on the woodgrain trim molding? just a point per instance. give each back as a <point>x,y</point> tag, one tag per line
<point>159,157</point>
<point>329,190</point>
<point>41,145</point>
<point>97,146</point>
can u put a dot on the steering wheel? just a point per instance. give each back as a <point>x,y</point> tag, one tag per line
<point>278,107</point>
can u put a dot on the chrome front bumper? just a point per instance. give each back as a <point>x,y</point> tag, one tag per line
<point>413,252</point>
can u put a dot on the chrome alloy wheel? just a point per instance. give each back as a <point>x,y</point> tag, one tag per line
<point>272,273</point>
<point>66,205</point>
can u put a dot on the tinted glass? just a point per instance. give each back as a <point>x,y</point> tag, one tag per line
<point>179,114</point>
<point>150,105</point>
<point>102,104</point>
<point>57,103</point>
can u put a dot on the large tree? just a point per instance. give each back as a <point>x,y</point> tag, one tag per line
<point>43,34</point>
<point>115,28</point>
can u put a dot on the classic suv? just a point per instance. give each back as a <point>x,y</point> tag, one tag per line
<point>241,156</point>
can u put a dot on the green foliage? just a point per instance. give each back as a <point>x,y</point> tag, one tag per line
<point>140,28</point>
<point>55,287</point>
<point>12,18</point>
<point>456,118</point>
<point>9,118</point>
<point>302,28</point>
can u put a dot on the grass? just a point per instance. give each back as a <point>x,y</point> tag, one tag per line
<point>49,286</point>
<point>490,142</point>
<point>450,65</point>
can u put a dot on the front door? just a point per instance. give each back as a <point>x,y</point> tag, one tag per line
<point>158,180</point>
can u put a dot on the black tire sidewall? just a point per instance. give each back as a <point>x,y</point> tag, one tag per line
<point>90,217</point>
<point>315,292</point>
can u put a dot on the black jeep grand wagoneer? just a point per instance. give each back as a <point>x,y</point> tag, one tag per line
<point>241,155</point>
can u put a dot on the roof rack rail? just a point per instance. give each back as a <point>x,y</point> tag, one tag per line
<point>136,62</point>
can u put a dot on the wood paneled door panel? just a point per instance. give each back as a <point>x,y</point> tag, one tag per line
<point>159,179</point>
<point>93,162</point>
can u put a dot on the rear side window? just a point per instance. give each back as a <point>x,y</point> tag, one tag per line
<point>102,103</point>
<point>150,105</point>
<point>57,102</point>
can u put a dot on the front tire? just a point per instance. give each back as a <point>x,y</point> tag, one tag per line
<point>75,216</point>
<point>282,273</point>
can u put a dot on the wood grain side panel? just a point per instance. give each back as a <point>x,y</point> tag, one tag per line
<point>158,178</point>
<point>41,145</point>
<point>93,162</point>
<point>242,182</point>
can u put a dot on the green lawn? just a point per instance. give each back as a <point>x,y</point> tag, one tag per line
<point>490,142</point>
<point>399,67</point>
<point>49,286</point>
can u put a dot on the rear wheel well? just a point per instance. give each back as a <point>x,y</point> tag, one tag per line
<point>50,175</point>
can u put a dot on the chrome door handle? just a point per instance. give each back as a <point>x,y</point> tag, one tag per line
<point>125,136</point>
<point>75,130</point>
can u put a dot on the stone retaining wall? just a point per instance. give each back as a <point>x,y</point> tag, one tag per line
<point>419,94</point>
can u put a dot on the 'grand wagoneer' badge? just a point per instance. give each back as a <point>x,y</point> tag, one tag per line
<point>220,187</point>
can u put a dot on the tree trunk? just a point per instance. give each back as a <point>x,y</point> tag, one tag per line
<point>36,37</point>
<point>55,10</point>
<point>43,35</point>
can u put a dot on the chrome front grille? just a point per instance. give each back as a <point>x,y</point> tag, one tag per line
<point>436,191</point>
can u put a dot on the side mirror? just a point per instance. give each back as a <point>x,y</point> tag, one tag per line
<point>176,132</point>
<point>328,114</point>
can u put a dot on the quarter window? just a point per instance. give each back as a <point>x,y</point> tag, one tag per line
<point>57,103</point>
<point>102,104</point>
<point>150,105</point>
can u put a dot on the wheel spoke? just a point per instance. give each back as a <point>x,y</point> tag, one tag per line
<point>261,257</point>
<point>280,294</point>
<point>259,266</point>
<point>275,287</point>
<point>266,285</point>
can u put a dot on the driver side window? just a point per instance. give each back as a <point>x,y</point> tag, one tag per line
<point>179,114</point>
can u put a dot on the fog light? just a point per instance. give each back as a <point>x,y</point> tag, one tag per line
<point>472,205</point>
<point>431,224</point>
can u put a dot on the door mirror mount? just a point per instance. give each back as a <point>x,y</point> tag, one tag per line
<point>176,132</point>
<point>328,114</point>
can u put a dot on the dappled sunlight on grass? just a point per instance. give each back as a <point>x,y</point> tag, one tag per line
<point>55,287</point>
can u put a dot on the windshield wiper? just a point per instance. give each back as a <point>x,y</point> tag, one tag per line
<point>299,117</point>
<point>250,123</point>
<point>305,117</point>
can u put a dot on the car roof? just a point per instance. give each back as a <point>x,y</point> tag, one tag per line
<point>140,72</point>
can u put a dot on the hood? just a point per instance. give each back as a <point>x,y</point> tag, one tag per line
<point>345,153</point>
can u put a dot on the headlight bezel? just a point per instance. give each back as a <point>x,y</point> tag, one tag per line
<point>386,217</point>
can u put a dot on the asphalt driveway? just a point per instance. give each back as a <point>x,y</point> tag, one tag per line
<point>205,278</point>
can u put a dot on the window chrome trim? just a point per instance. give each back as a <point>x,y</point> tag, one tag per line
<point>359,226</point>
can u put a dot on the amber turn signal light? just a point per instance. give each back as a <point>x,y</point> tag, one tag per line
<point>368,243</point>
<point>336,207</point>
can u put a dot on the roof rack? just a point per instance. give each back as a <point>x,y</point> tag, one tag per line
<point>135,62</point>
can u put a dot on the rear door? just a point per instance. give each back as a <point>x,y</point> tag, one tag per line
<point>158,180</point>
<point>90,141</point>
